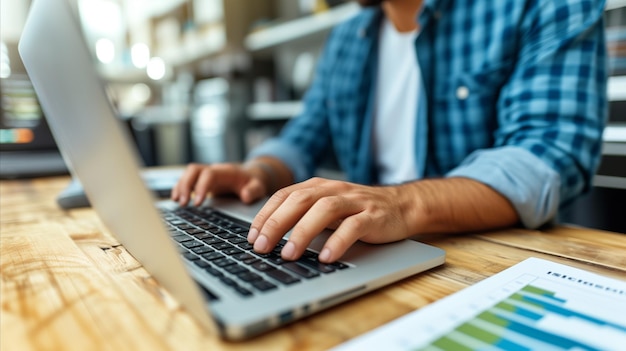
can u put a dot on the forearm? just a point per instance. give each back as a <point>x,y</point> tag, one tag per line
<point>454,205</point>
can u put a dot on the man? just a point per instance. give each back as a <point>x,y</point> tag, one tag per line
<point>446,116</point>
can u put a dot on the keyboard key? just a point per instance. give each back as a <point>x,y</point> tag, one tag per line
<point>300,270</point>
<point>213,271</point>
<point>232,251</point>
<point>250,261</point>
<point>235,268</point>
<point>202,264</point>
<point>191,244</point>
<point>212,256</point>
<point>339,265</point>
<point>226,235</point>
<point>243,256</point>
<point>202,250</point>
<point>182,238</point>
<point>262,266</point>
<point>316,265</point>
<point>212,240</point>
<point>243,291</point>
<point>190,256</point>
<point>245,245</point>
<point>223,262</point>
<point>236,240</point>
<point>221,246</point>
<point>263,285</point>
<point>228,281</point>
<point>282,276</point>
<point>248,276</point>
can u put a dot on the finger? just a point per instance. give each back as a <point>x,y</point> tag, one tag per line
<point>202,186</point>
<point>323,214</point>
<point>350,230</point>
<point>219,179</point>
<point>252,190</point>
<point>284,217</point>
<point>186,182</point>
<point>275,201</point>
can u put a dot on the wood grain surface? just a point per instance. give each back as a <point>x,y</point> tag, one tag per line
<point>67,284</point>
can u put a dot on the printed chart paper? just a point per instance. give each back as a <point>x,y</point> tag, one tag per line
<point>534,305</point>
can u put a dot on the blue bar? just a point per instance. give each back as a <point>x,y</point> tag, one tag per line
<point>569,313</point>
<point>518,310</point>
<point>537,334</point>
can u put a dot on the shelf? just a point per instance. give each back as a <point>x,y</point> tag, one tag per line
<point>614,133</point>
<point>118,74</point>
<point>143,10</point>
<point>615,4</point>
<point>617,88</point>
<point>300,28</point>
<point>274,110</point>
<point>609,181</point>
<point>201,46</point>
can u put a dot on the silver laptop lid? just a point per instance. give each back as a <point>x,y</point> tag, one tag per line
<point>100,155</point>
<point>96,147</point>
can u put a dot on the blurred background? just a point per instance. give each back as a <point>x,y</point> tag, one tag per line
<point>207,80</point>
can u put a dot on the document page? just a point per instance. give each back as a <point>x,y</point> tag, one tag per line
<point>534,305</point>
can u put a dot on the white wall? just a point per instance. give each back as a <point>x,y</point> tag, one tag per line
<point>12,17</point>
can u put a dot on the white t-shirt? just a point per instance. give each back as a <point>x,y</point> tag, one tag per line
<point>395,114</point>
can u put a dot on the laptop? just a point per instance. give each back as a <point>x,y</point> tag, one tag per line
<point>100,154</point>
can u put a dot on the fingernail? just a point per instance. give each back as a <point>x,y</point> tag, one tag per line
<point>324,255</point>
<point>260,245</point>
<point>289,251</point>
<point>252,235</point>
<point>198,200</point>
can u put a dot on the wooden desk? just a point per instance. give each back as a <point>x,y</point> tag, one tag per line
<point>68,285</point>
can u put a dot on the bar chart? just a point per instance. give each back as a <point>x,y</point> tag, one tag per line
<point>534,305</point>
<point>535,318</point>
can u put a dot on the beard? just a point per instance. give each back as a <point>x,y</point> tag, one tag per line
<point>367,3</point>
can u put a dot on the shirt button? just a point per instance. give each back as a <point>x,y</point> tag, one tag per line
<point>462,92</point>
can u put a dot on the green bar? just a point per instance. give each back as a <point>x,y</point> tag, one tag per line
<point>516,297</point>
<point>493,319</point>
<point>506,306</point>
<point>541,292</point>
<point>520,298</point>
<point>446,343</point>
<point>538,291</point>
<point>477,333</point>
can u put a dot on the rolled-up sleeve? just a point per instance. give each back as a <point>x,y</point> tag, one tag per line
<point>551,112</point>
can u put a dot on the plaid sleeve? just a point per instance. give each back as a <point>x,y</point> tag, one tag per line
<point>552,109</point>
<point>305,138</point>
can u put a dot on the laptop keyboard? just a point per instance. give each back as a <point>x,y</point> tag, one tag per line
<point>218,244</point>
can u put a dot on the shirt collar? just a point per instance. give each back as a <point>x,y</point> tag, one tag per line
<point>371,19</point>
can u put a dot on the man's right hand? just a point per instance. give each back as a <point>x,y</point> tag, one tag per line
<point>198,180</point>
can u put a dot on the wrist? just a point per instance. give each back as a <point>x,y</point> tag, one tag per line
<point>263,171</point>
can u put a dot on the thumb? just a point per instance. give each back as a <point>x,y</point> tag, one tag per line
<point>252,191</point>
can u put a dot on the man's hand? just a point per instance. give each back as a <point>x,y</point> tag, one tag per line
<point>375,214</point>
<point>230,178</point>
<point>366,213</point>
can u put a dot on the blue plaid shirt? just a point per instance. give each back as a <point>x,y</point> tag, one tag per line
<point>514,97</point>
